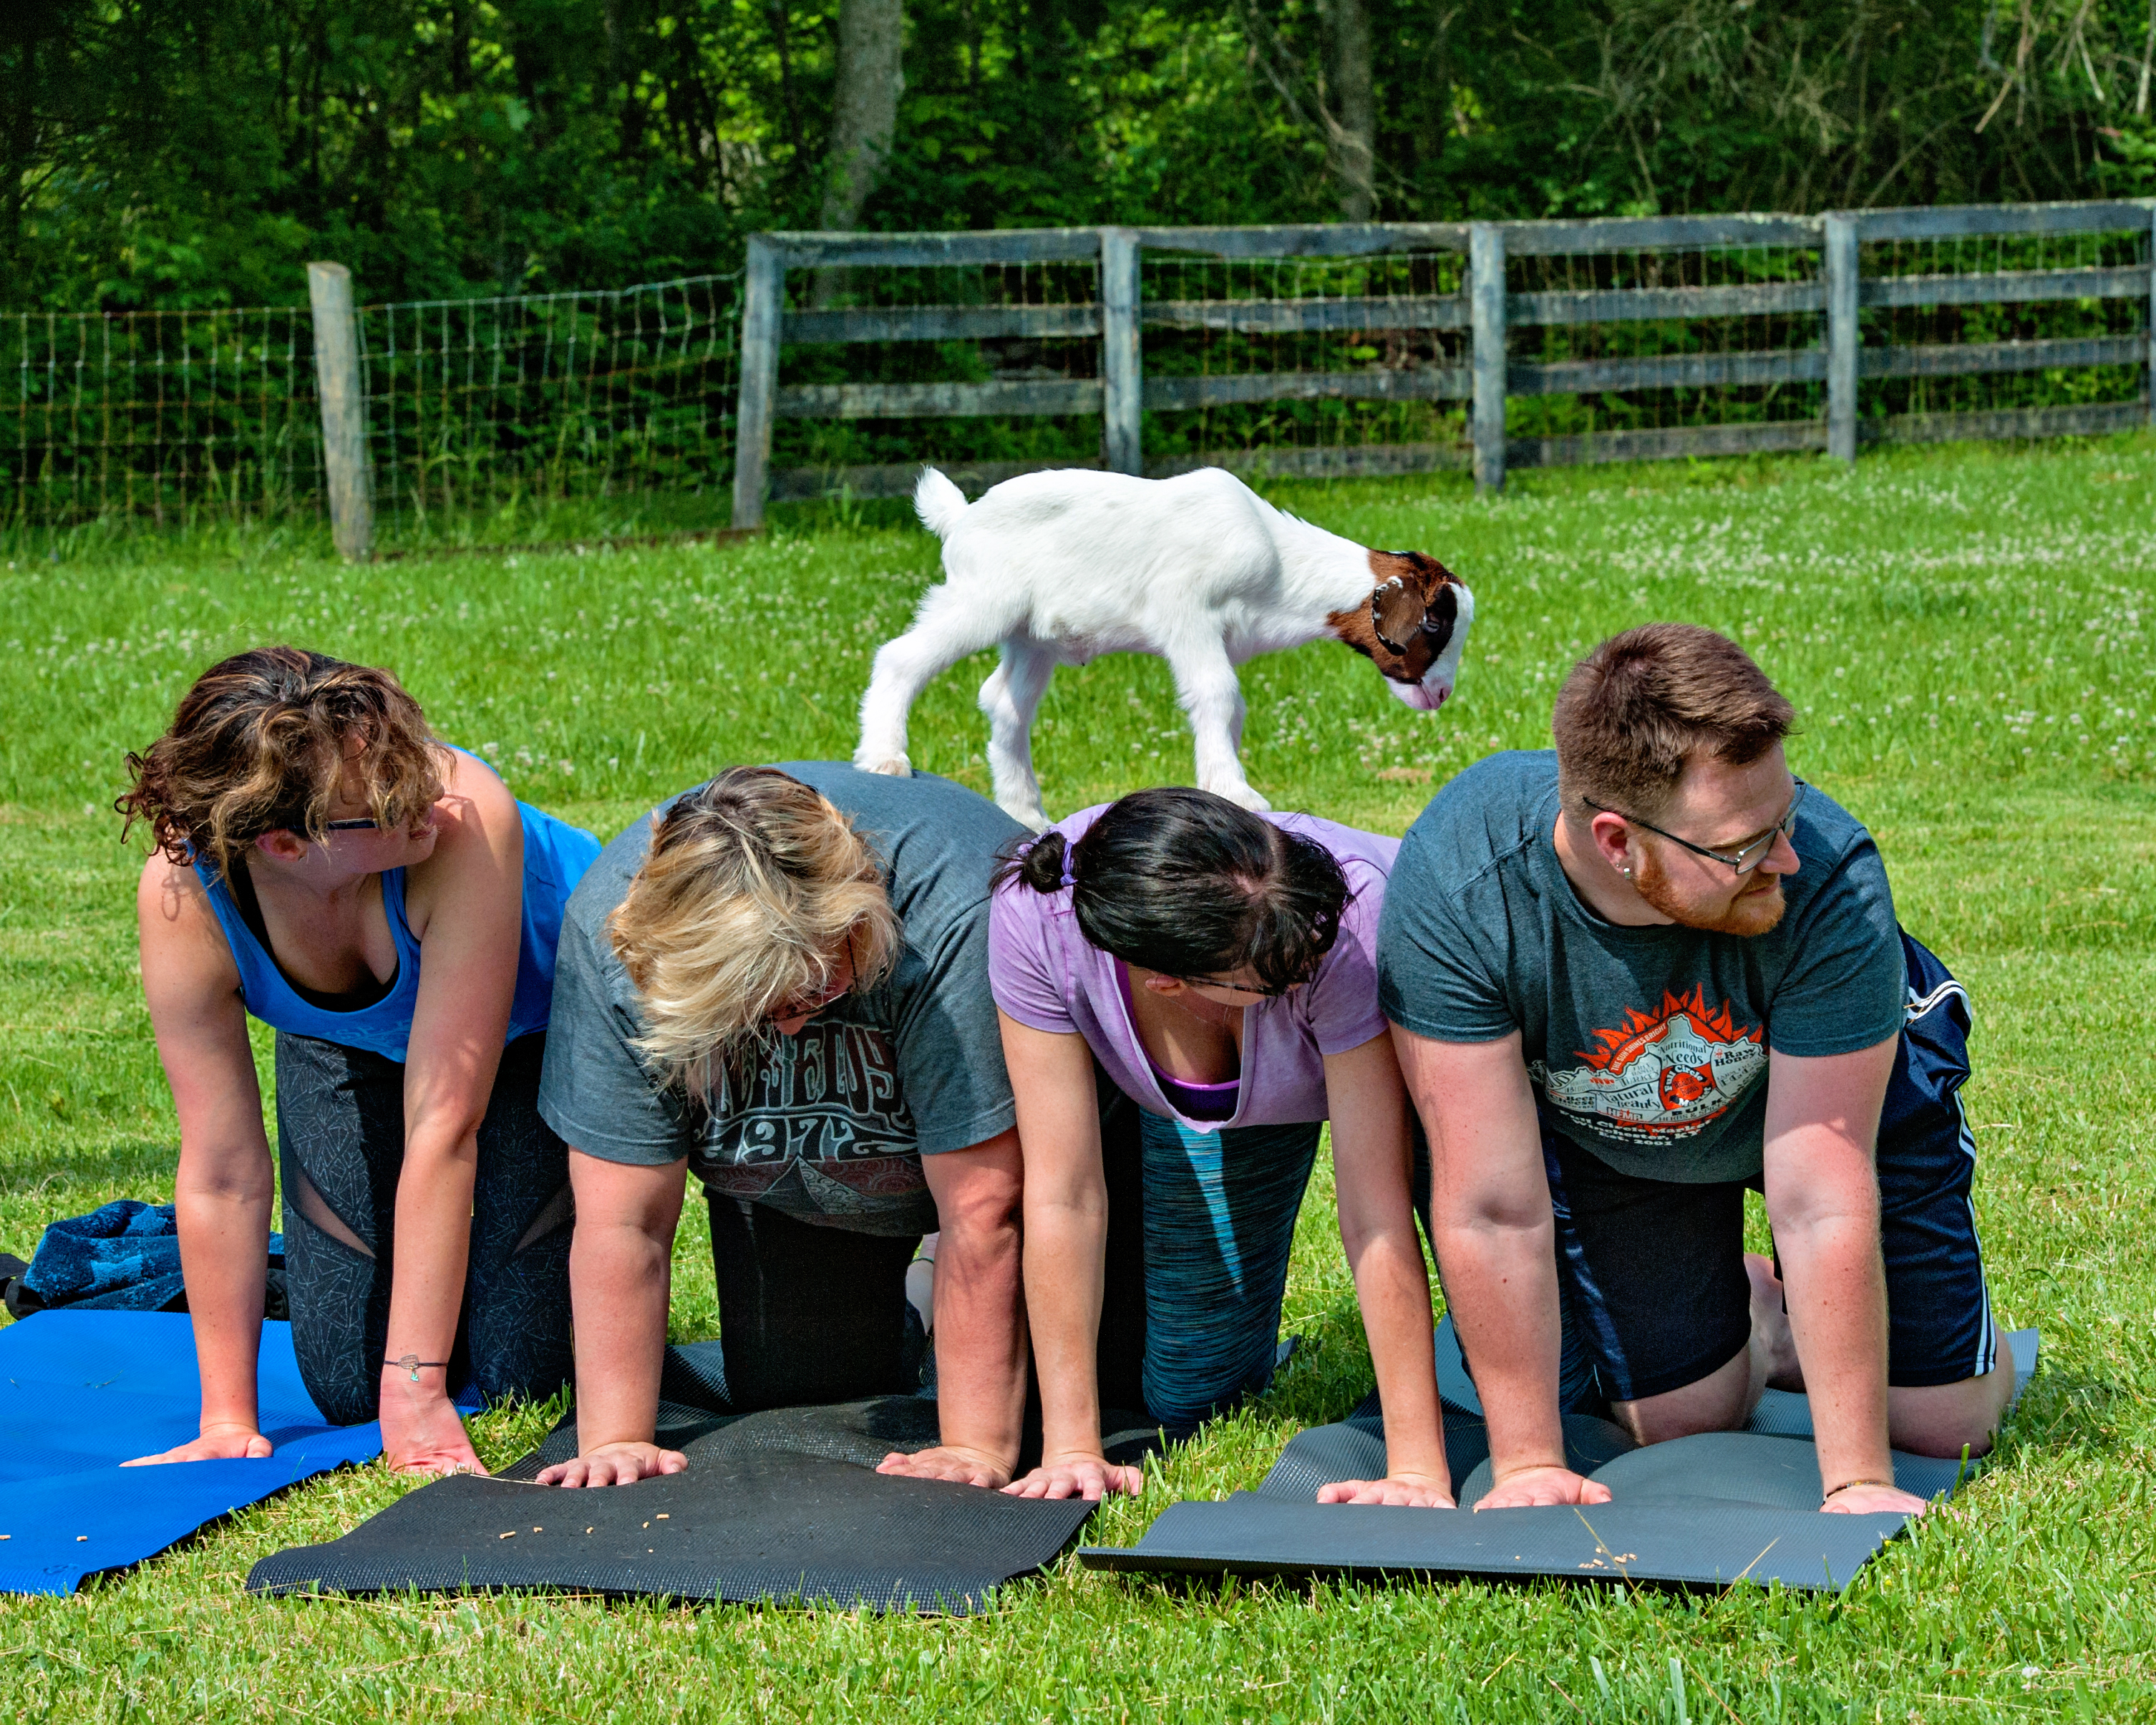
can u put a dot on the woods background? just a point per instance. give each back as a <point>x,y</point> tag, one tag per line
<point>197,152</point>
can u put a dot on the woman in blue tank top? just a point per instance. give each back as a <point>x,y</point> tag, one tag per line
<point>325,865</point>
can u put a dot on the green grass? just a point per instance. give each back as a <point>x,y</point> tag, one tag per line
<point>1967,633</point>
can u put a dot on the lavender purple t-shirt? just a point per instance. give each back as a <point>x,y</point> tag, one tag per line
<point>1045,975</point>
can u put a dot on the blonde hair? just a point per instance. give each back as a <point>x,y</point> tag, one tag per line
<point>753,886</point>
<point>264,741</point>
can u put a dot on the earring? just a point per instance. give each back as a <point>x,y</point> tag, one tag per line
<point>1628,873</point>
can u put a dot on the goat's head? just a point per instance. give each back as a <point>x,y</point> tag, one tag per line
<point>1413,626</point>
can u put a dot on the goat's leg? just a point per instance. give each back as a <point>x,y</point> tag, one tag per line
<point>943,635</point>
<point>1206,684</point>
<point>1010,698</point>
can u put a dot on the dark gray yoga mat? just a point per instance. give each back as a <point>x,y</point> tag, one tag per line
<point>783,1505</point>
<point>1704,1511</point>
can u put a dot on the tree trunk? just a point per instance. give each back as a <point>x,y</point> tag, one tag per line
<point>1352,130</point>
<point>864,107</point>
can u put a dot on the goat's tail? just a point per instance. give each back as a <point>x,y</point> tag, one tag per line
<point>938,502</point>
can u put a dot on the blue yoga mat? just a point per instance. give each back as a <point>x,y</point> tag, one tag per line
<point>81,1392</point>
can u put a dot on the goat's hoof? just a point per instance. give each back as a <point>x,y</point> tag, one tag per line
<point>1243,797</point>
<point>897,766</point>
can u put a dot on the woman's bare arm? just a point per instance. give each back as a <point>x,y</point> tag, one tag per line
<point>466,906</point>
<point>225,1183</point>
<point>1373,1166</point>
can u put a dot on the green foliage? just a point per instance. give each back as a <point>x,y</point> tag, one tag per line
<point>1965,634</point>
<point>197,152</point>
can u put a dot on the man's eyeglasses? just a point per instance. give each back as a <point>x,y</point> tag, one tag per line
<point>1742,862</point>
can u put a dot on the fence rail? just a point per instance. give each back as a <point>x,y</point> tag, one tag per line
<point>1415,345</point>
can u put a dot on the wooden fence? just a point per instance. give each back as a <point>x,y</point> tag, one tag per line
<point>1829,301</point>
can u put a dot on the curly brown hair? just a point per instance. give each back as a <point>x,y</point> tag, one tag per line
<point>264,740</point>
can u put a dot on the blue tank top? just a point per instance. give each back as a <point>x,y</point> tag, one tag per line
<point>555,855</point>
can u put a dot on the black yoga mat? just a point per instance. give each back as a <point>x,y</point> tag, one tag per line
<point>783,1505</point>
<point>1708,1510</point>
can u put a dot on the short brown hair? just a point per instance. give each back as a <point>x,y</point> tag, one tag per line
<point>1638,706</point>
<point>754,884</point>
<point>263,743</point>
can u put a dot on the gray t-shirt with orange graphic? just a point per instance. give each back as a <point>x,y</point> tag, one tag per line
<point>1646,1047</point>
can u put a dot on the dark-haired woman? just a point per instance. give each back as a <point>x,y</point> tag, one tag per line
<point>324,863</point>
<point>1219,965</point>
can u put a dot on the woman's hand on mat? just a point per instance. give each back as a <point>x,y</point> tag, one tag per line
<point>1864,1500</point>
<point>232,1442</point>
<point>949,1461</point>
<point>1539,1487</point>
<point>1092,1477</point>
<point>615,1465</point>
<point>421,1431</point>
<point>1410,1491</point>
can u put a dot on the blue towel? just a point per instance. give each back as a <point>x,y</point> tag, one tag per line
<point>81,1392</point>
<point>123,1257</point>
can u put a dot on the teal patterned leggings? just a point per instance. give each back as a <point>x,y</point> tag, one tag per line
<point>1220,1220</point>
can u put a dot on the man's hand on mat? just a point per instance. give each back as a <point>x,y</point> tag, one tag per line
<point>1539,1487</point>
<point>1874,1500</point>
<point>218,1443</point>
<point>1411,1491</point>
<point>615,1465</point>
<point>1092,1477</point>
<point>949,1461</point>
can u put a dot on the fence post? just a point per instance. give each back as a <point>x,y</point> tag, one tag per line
<point>1485,287</point>
<point>1122,359</point>
<point>344,412</point>
<point>763,301</point>
<point>1841,338</point>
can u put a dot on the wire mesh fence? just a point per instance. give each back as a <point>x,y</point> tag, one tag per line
<point>505,406</point>
<point>1601,345</point>
<point>1306,364</point>
<point>480,413</point>
<point>160,414</point>
<point>976,367</point>
<point>2062,321</point>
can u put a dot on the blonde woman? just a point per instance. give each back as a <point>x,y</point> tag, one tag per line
<point>325,865</point>
<point>778,982</point>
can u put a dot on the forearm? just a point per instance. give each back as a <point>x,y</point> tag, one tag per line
<point>1500,1286</point>
<point>1837,1300</point>
<point>1064,1248</point>
<point>1393,1286</point>
<point>619,1278</point>
<point>224,1237</point>
<point>980,1338</point>
<point>433,1240</point>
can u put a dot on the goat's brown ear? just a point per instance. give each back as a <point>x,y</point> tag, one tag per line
<point>1440,620</point>
<point>1396,612</point>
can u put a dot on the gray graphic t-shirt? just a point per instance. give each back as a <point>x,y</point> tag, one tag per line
<point>829,1126</point>
<point>1645,1046</point>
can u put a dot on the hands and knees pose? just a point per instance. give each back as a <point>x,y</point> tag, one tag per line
<point>315,842</point>
<point>775,980</point>
<point>1632,979</point>
<point>1217,967</point>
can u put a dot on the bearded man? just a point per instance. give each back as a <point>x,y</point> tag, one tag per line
<point>1630,979</point>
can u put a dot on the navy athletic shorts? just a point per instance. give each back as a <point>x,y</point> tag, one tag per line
<point>1652,1272</point>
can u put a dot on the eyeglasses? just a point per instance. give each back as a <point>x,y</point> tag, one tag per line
<point>1742,862</point>
<point>351,826</point>
<point>1207,981</point>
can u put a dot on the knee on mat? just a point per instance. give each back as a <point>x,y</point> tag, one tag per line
<point>1944,1420</point>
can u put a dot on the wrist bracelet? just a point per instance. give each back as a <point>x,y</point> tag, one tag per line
<point>412,1364</point>
<point>1846,1484</point>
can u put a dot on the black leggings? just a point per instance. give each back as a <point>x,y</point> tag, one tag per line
<point>341,1148</point>
<point>809,1314</point>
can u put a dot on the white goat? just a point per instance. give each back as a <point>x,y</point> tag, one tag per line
<point>1059,567</point>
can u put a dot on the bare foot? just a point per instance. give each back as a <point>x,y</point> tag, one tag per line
<point>1770,1324</point>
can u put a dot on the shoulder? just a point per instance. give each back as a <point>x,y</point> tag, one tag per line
<point>1840,867</point>
<point>605,884</point>
<point>1494,810</point>
<point>475,812</point>
<point>1359,853</point>
<point>183,944</point>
